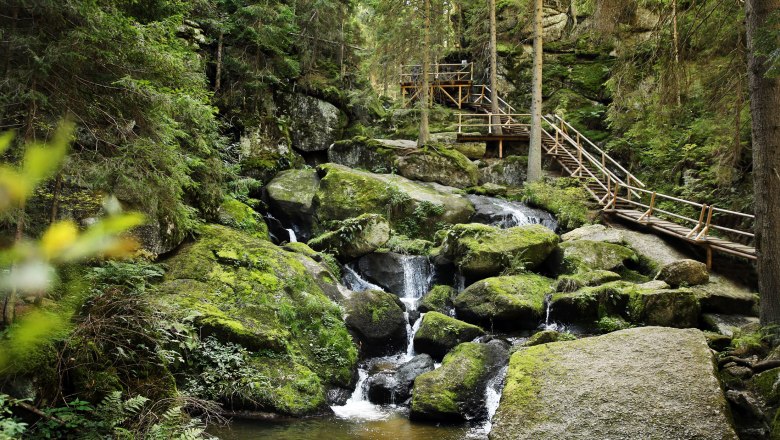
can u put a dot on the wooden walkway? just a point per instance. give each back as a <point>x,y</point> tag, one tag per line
<point>613,188</point>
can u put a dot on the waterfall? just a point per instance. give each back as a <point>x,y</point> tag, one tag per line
<point>358,407</point>
<point>493,396</point>
<point>548,324</point>
<point>412,331</point>
<point>506,214</point>
<point>418,273</point>
<point>293,238</point>
<point>354,282</point>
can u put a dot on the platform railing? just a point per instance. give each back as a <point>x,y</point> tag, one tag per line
<point>412,73</point>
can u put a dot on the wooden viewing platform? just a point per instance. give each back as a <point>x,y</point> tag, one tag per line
<point>613,188</point>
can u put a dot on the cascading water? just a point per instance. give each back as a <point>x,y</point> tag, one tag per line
<point>356,283</point>
<point>293,238</point>
<point>548,324</point>
<point>358,407</point>
<point>493,396</point>
<point>507,214</point>
<point>418,273</point>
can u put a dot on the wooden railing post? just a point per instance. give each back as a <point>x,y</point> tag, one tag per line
<point>490,123</point>
<point>698,225</point>
<point>706,229</point>
<point>649,212</point>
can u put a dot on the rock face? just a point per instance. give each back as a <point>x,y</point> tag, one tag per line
<point>377,318</point>
<point>414,207</point>
<point>244,290</point>
<point>354,238</point>
<point>684,273</point>
<point>595,233</point>
<point>240,216</point>
<point>264,155</point>
<point>721,295</point>
<point>396,273</point>
<point>396,387</point>
<point>316,124</point>
<point>439,333</point>
<point>640,383</point>
<point>585,256</point>
<point>506,214</point>
<point>456,390</point>
<point>482,251</point>
<point>511,302</point>
<point>510,171</point>
<point>290,196</point>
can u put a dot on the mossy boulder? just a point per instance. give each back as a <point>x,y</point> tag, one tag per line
<point>264,154</point>
<point>403,275</point>
<point>722,295</point>
<point>509,171</point>
<point>595,233</point>
<point>483,251</point>
<point>241,216</point>
<point>365,153</point>
<point>244,290</point>
<point>440,164</point>
<point>669,308</point>
<point>377,319</point>
<point>456,390</point>
<point>290,196</point>
<point>439,333</point>
<point>767,385</point>
<point>684,273</point>
<point>585,256</point>
<point>354,237</point>
<point>414,209</point>
<point>438,299</point>
<point>548,336</point>
<point>509,302</point>
<point>627,384</point>
<point>314,124</point>
<point>572,283</point>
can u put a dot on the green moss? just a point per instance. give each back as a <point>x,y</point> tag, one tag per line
<point>565,198</point>
<point>508,301</point>
<point>522,385</point>
<point>246,290</point>
<point>404,245</point>
<point>581,256</point>
<point>240,216</point>
<point>608,324</point>
<point>572,283</point>
<point>548,336</point>
<point>439,333</point>
<point>438,299</point>
<point>767,385</point>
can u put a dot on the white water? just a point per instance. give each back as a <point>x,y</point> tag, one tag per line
<point>358,407</point>
<point>493,397</point>
<point>550,325</point>
<point>506,214</point>
<point>293,238</point>
<point>353,281</point>
<point>417,276</point>
<point>412,331</point>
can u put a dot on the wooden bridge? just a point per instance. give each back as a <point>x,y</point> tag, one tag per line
<point>610,185</point>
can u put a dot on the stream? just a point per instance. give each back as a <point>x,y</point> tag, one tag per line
<point>359,418</point>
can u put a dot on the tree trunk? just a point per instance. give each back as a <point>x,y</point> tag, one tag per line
<point>535,146</point>
<point>218,74</point>
<point>676,42</point>
<point>764,105</point>
<point>55,199</point>
<point>494,105</point>
<point>425,134</point>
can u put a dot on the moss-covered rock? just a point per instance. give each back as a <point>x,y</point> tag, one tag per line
<point>263,156</point>
<point>684,273</point>
<point>565,198</point>
<point>482,251</point>
<point>377,319</point>
<point>627,384</point>
<point>439,333</point>
<point>315,124</point>
<point>548,336</point>
<point>510,302</point>
<point>354,237</point>
<point>290,196</point>
<point>365,153</point>
<point>724,296</point>
<point>241,216</point>
<point>414,209</point>
<point>586,256</point>
<point>509,171</point>
<point>767,385</point>
<point>440,164</point>
<point>438,299</point>
<point>669,308</point>
<point>241,289</point>
<point>455,391</point>
<point>572,283</point>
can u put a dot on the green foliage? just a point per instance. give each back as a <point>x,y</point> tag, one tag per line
<point>410,225</point>
<point>10,426</point>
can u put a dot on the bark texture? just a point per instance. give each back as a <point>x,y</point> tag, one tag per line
<point>535,147</point>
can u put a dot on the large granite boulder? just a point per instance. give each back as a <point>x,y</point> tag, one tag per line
<point>722,295</point>
<point>585,256</point>
<point>239,289</point>
<point>354,237</point>
<point>438,299</point>
<point>290,196</point>
<point>377,319</point>
<point>264,153</point>
<point>510,171</point>
<point>396,387</point>
<point>456,391</point>
<point>439,333</point>
<point>684,273</point>
<point>647,382</point>
<point>314,124</point>
<point>483,251</point>
<point>404,275</point>
<point>416,209</point>
<point>508,302</point>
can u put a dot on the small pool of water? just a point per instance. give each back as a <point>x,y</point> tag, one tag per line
<point>394,427</point>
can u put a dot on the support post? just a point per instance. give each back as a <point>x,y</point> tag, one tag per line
<point>706,229</point>
<point>709,258</point>
<point>698,225</point>
<point>500,148</point>
<point>649,212</point>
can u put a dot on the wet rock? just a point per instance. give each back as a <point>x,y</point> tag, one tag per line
<point>611,386</point>
<point>546,337</point>
<point>506,214</point>
<point>439,333</point>
<point>483,251</point>
<point>396,387</point>
<point>290,196</point>
<point>456,390</point>
<point>377,319</point>
<point>727,324</point>
<point>354,237</point>
<point>338,396</point>
<point>572,283</point>
<point>403,275</point>
<point>684,273</point>
<point>510,302</point>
